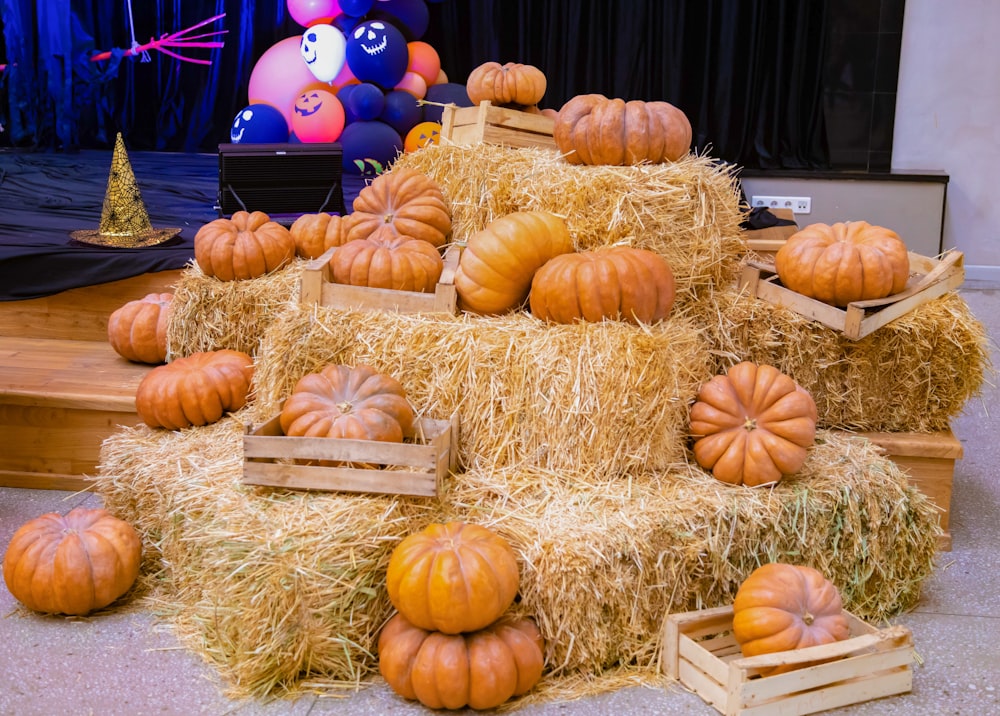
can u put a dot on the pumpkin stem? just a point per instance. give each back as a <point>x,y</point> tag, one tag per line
<point>345,407</point>
<point>808,618</point>
<point>749,423</point>
<point>387,218</point>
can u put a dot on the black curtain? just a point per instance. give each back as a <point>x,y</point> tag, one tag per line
<point>748,73</point>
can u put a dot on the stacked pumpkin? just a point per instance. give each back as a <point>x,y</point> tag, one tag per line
<point>451,645</point>
<point>512,85</point>
<point>244,246</point>
<point>137,331</point>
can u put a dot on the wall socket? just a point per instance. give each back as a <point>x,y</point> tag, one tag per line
<point>798,204</point>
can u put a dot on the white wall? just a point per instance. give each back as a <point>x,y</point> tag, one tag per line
<point>948,118</point>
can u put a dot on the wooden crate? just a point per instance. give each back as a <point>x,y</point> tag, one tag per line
<point>317,287</point>
<point>766,242</point>
<point>699,651</point>
<point>416,466</point>
<point>496,125</point>
<point>929,278</point>
<point>929,461</point>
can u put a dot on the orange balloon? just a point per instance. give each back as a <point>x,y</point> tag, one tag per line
<point>442,79</point>
<point>414,84</point>
<point>424,60</point>
<point>318,116</point>
<point>422,135</point>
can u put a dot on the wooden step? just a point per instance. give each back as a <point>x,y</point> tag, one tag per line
<point>59,399</point>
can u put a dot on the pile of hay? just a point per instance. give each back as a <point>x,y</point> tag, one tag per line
<point>913,375</point>
<point>687,211</point>
<point>209,314</point>
<point>608,396</point>
<point>280,590</point>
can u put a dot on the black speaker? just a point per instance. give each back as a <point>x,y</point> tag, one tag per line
<point>282,180</point>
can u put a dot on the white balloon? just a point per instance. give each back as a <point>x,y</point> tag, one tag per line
<point>323,49</point>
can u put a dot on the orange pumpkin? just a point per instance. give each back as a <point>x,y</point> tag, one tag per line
<point>406,200</point>
<point>481,670</point>
<point>72,564</point>
<point>781,607</point>
<point>386,259</point>
<point>453,577</point>
<point>194,390</point>
<point>348,402</point>
<point>619,282</point>
<point>592,129</point>
<point>315,234</point>
<point>138,330</point>
<point>510,83</point>
<point>243,247</point>
<point>752,425</point>
<point>844,262</point>
<point>497,265</point>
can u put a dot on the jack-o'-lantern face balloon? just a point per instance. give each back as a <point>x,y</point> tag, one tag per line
<point>422,135</point>
<point>318,116</point>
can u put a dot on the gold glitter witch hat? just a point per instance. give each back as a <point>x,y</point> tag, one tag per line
<point>124,220</point>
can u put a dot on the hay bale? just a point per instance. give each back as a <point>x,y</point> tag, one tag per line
<point>913,375</point>
<point>687,211</point>
<point>209,314</point>
<point>605,395</point>
<point>279,589</point>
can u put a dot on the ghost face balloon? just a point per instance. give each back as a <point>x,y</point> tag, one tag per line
<point>322,48</point>
<point>377,52</point>
<point>259,124</point>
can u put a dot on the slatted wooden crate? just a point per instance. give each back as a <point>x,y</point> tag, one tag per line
<point>700,651</point>
<point>317,287</point>
<point>496,125</point>
<point>416,466</point>
<point>929,278</point>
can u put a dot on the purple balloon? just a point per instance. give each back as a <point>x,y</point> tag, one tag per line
<point>402,111</point>
<point>444,93</point>
<point>411,17</point>
<point>356,8</point>
<point>369,148</point>
<point>259,124</point>
<point>377,52</point>
<point>367,101</point>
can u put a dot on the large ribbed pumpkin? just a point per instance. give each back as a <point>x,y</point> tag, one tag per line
<point>511,83</point>
<point>592,129</point>
<point>452,577</point>
<point>137,331</point>
<point>752,425</point>
<point>342,401</point>
<point>72,564</point>
<point>386,259</point>
<point>405,199</point>
<point>247,245</point>
<point>619,282</point>
<point>781,607</point>
<point>314,234</point>
<point>480,670</point>
<point>194,390</point>
<point>844,262</point>
<point>498,263</point>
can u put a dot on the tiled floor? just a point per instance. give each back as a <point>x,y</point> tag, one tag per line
<point>126,663</point>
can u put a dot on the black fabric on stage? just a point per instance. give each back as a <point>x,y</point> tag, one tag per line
<point>46,195</point>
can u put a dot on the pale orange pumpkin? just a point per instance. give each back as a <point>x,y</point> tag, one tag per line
<point>454,577</point>
<point>137,331</point>
<point>752,425</point>
<point>592,129</point>
<point>405,199</point>
<point>506,84</point>
<point>245,246</point>
<point>844,262</point>
<point>481,670</point>
<point>386,259</point>
<point>781,607</point>
<point>314,234</point>
<point>72,564</point>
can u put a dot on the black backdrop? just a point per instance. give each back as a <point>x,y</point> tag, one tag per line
<point>748,73</point>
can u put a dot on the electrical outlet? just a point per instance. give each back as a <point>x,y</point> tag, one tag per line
<point>798,204</point>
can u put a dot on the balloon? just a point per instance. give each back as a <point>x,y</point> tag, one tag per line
<point>322,49</point>
<point>356,8</point>
<point>422,135</point>
<point>401,112</point>
<point>318,116</point>
<point>259,124</point>
<point>369,147</point>
<point>344,95</point>
<point>411,17</point>
<point>424,60</point>
<point>367,101</point>
<point>311,12</point>
<point>279,76</point>
<point>442,78</point>
<point>414,84</point>
<point>376,52</point>
<point>447,93</point>
<point>346,23</point>
<point>345,77</point>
